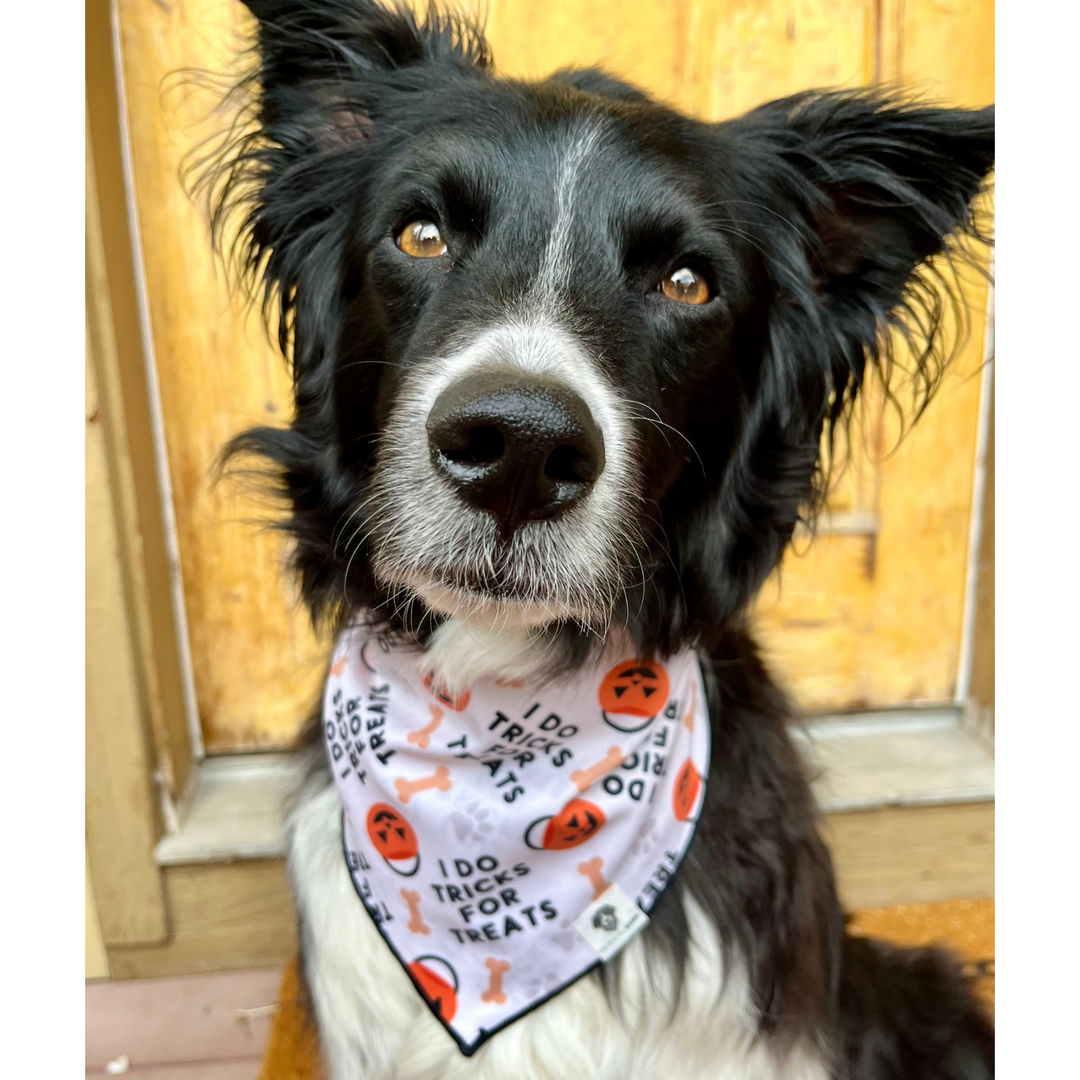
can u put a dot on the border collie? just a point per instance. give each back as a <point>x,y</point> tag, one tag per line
<point>564,360</point>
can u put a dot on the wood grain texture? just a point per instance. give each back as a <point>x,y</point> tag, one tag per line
<point>224,918</point>
<point>905,647</point>
<point>873,620</point>
<point>912,855</point>
<point>97,959</point>
<point>116,327</point>
<point>120,812</point>
<point>257,665</point>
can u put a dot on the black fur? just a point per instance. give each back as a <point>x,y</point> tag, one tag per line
<point>813,219</point>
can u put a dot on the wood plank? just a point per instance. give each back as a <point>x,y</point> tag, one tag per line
<point>119,351</point>
<point>120,811</point>
<point>917,758</point>
<point>224,917</point>
<point>97,959</point>
<point>814,620</point>
<point>237,811</point>
<point>942,50</point>
<point>945,52</point>
<point>900,856</point>
<point>905,649</point>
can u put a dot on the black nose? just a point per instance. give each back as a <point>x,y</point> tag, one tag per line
<point>515,446</point>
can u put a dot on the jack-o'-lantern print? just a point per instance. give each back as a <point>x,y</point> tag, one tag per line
<point>439,692</point>
<point>579,820</point>
<point>633,694</point>
<point>687,787</point>
<point>394,839</point>
<point>438,983</point>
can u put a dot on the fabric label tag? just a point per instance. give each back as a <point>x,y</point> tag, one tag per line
<point>610,921</point>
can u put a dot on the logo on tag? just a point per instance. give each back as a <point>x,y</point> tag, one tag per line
<point>610,921</point>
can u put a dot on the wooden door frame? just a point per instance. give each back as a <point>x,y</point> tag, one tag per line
<point>141,759</point>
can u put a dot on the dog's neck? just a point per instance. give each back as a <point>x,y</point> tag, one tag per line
<point>461,652</point>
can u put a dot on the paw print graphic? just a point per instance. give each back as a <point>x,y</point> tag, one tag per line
<point>646,840</point>
<point>542,984</point>
<point>566,937</point>
<point>471,824</point>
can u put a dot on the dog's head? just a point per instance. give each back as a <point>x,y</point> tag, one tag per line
<point>560,353</point>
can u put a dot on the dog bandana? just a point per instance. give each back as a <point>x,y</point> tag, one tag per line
<point>508,840</point>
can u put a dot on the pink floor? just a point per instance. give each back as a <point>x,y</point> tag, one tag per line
<point>195,1027</point>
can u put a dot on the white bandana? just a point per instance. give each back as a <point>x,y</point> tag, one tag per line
<point>506,841</point>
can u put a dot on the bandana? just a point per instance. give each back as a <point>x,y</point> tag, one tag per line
<point>508,840</point>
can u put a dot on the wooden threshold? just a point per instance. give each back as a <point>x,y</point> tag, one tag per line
<point>225,917</point>
<point>898,758</point>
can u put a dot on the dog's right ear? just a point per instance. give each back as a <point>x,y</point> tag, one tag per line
<point>322,63</point>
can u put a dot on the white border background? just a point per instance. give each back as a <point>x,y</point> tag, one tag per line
<point>1038,446</point>
<point>1038,570</point>
<point>42,366</point>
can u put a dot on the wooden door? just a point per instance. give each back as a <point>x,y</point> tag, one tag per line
<point>868,614</point>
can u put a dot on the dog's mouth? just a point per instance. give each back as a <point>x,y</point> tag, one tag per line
<point>534,578</point>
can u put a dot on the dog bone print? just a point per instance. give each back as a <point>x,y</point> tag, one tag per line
<point>416,923</point>
<point>422,737</point>
<point>584,777</point>
<point>593,870</point>
<point>440,779</point>
<point>339,665</point>
<point>494,992</point>
<point>515,684</point>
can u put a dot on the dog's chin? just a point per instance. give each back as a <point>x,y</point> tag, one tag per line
<point>486,611</point>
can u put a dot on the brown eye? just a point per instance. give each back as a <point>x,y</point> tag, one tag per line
<point>421,239</point>
<point>686,286</point>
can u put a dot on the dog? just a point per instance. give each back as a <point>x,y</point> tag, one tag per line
<point>563,362</point>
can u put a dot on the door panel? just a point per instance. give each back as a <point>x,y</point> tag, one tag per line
<point>869,613</point>
<point>898,643</point>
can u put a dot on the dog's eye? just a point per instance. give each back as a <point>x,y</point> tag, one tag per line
<point>421,239</point>
<point>685,285</point>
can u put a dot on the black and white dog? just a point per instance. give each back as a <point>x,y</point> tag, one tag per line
<point>681,310</point>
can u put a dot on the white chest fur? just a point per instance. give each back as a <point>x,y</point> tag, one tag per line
<point>373,1025</point>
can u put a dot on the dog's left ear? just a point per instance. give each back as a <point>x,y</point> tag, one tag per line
<point>878,185</point>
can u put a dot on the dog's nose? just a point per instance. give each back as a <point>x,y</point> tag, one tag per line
<point>520,448</point>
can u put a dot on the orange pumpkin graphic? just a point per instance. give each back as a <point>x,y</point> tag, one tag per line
<point>394,839</point>
<point>579,820</point>
<point>456,703</point>
<point>438,982</point>
<point>687,786</point>
<point>633,693</point>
